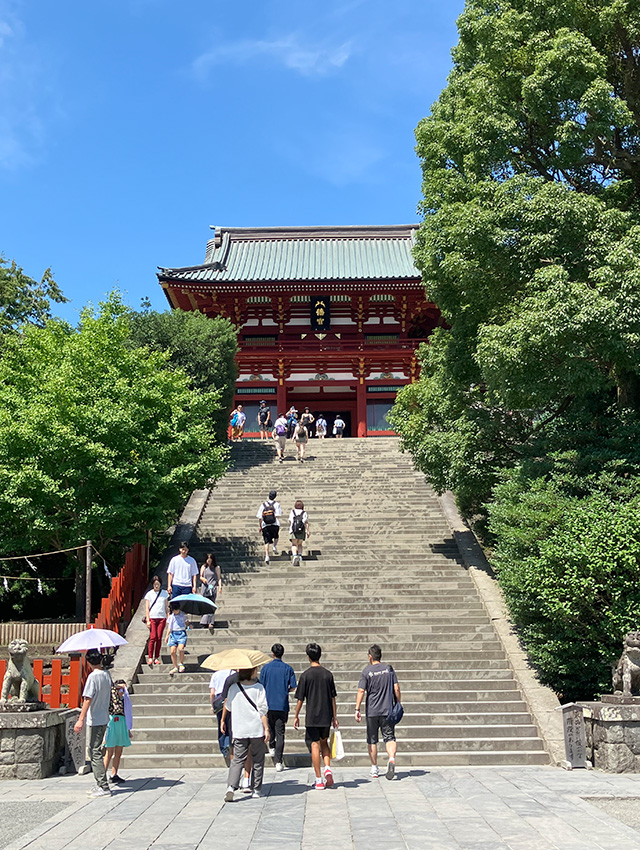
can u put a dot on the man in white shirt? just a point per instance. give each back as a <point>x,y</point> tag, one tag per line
<point>269,524</point>
<point>182,573</point>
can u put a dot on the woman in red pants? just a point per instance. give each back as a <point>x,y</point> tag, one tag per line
<point>157,601</point>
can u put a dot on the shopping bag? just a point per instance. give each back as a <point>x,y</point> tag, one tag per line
<point>336,747</point>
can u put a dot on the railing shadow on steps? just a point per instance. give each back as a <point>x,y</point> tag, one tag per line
<point>448,548</point>
<point>251,453</point>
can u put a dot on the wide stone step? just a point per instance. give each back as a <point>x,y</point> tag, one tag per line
<point>451,758</point>
<point>486,679</point>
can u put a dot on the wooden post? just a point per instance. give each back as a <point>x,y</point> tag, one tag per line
<point>87,599</point>
<point>361,408</point>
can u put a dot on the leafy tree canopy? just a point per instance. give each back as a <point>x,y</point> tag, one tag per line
<point>202,347</point>
<point>22,299</point>
<point>98,439</point>
<point>530,243</point>
<point>529,399</point>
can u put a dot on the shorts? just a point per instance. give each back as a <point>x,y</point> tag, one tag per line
<point>302,536</point>
<point>270,533</point>
<point>178,637</point>
<point>380,723</point>
<point>313,734</point>
<point>281,440</point>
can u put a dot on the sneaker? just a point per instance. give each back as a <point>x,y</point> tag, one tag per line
<point>173,670</point>
<point>157,661</point>
<point>266,559</point>
<point>255,793</point>
<point>228,797</point>
<point>272,752</point>
<point>100,792</point>
<point>374,770</point>
<point>328,777</point>
<point>245,785</point>
<point>391,769</point>
<point>150,662</point>
<point>319,786</point>
<point>92,790</point>
<point>275,549</point>
<point>279,767</point>
<point>117,780</point>
<point>181,668</point>
<point>280,459</point>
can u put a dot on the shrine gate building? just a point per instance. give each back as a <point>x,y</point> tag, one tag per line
<point>327,317</point>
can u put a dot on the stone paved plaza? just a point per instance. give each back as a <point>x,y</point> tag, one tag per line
<point>486,808</point>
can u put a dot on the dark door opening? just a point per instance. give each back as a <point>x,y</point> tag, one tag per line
<point>331,414</point>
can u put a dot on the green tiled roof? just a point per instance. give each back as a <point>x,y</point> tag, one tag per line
<point>307,253</point>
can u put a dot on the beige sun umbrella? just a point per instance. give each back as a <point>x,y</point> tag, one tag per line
<point>235,659</point>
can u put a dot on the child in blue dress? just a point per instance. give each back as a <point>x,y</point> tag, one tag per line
<point>177,626</point>
<point>118,735</point>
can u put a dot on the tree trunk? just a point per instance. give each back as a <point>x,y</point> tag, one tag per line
<point>628,384</point>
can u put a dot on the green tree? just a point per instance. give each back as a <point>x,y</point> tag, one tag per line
<point>528,402</point>
<point>530,243</point>
<point>98,439</point>
<point>203,347</point>
<point>22,299</point>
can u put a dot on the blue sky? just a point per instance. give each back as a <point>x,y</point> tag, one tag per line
<point>128,127</point>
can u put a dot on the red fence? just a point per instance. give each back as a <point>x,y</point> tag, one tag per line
<point>117,609</point>
<point>57,688</point>
<point>127,589</point>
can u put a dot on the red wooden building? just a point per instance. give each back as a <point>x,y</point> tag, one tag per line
<point>327,317</point>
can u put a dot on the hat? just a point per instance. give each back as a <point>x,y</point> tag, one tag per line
<point>262,402</point>
<point>272,494</point>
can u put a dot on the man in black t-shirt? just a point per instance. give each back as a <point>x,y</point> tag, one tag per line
<point>317,687</point>
<point>380,683</point>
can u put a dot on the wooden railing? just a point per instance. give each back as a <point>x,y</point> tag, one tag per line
<point>127,589</point>
<point>59,687</point>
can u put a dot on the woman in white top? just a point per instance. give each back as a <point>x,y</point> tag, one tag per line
<point>298,530</point>
<point>247,702</point>
<point>157,608</point>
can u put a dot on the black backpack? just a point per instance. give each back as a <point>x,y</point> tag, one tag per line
<point>268,513</point>
<point>297,526</point>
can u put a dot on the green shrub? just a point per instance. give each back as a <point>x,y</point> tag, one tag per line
<point>570,570</point>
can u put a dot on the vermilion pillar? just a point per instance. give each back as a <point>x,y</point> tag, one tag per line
<point>361,407</point>
<point>281,399</point>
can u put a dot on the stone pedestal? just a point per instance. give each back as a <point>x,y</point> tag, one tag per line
<point>613,733</point>
<point>33,744</point>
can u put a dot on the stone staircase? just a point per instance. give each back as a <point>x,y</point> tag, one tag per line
<point>383,568</point>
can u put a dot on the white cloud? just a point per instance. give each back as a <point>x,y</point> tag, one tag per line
<point>21,130</point>
<point>290,51</point>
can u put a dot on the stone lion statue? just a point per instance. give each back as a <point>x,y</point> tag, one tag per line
<point>626,676</point>
<point>19,682</point>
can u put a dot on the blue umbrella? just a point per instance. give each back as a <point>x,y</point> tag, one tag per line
<point>193,603</point>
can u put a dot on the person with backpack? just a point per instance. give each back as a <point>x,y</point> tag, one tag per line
<point>292,421</point>
<point>279,434</point>
<point>247,702</point>
<point>321,427</point>
<point>264,419</point>
<point>380,683</point>
<point>301,438</point>
<point>298,531</point>
<point>338,426</point>
<point>269,524</point>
